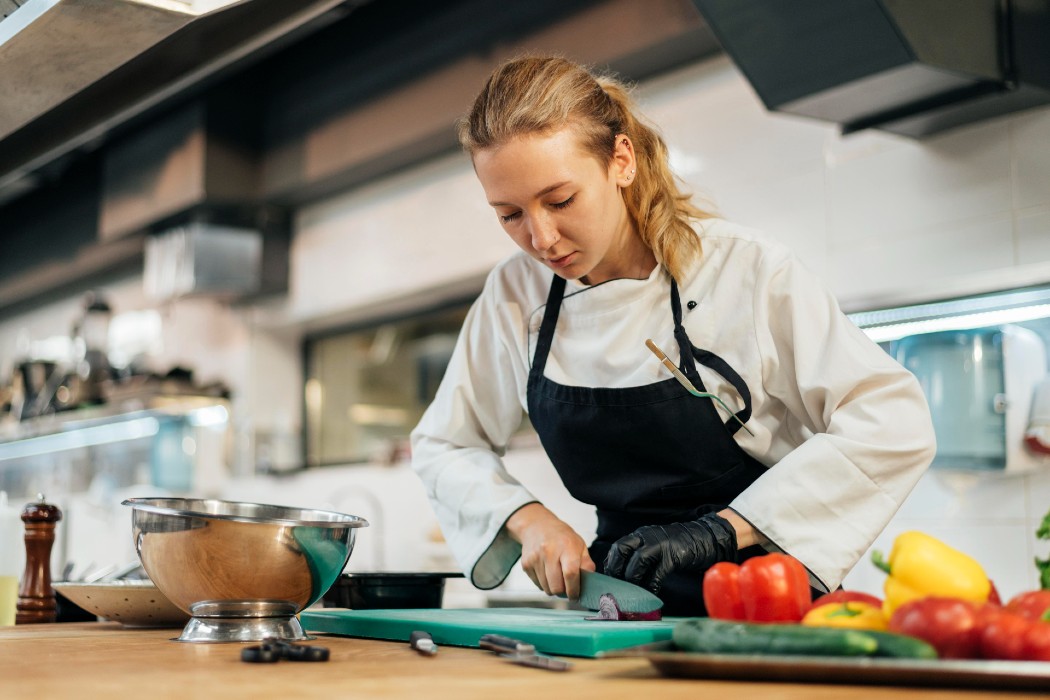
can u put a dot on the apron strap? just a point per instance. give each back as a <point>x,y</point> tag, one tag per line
<point>688,352</point>
<point>714,362</point>
<point>550,320</point>
<point>685,347</point>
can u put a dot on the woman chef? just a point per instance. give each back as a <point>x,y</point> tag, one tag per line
<point>824,436</point>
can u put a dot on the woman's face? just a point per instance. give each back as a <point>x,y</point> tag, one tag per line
<point>562,206</point>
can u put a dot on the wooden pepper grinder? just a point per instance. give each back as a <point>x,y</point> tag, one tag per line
<point>36,597</point>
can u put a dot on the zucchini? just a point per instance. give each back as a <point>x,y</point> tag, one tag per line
<point>901,646</point>
<point>724,637</point>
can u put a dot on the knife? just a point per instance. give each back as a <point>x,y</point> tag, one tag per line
<point>423,643</point>
<point>629,597</point>
<point>519,652</point>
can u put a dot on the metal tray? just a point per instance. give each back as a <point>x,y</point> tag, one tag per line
<point>941,673</point>
<point>133,603</point>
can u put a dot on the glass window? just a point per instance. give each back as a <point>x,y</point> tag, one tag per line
<point>982,362</point>
<point>367,387</point>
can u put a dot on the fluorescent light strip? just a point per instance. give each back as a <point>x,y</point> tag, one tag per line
<point>210,416</point>
<point>881,334</point>
<point>81,437</point>
<point>954,307</point>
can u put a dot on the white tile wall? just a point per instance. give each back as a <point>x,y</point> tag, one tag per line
<point>1031,158</point>
<point>920,184</point>
<point>878,216</point>
<point>1033,235</point>
<point>923,256</point>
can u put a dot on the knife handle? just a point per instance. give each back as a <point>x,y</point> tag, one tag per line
<point>507,645</point>
<point>422,642</point>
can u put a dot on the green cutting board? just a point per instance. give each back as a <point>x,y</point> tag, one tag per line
<point>564,632</point>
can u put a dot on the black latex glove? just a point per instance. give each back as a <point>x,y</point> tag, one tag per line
<point>646,556</point>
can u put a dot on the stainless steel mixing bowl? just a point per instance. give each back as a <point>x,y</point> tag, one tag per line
<point>242,570</point>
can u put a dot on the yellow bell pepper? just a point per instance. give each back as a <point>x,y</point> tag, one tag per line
<point>851,614</point>
<point>921,566</point>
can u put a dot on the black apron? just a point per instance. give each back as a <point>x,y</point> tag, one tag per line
<point>644,455</point>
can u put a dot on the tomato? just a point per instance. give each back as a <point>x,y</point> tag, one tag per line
<point>951,625</point>
<point>841,596</point>
<point>1003,635</point>
<point>1037,642</point>
<point>1034,605</point>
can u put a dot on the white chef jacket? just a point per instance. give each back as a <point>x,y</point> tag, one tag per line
<point>844,430</point>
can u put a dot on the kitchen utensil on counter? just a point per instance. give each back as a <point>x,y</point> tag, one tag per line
<point>629,597</point>
<point>423,643</point>
<point>271,651</point>
<point>241,570</point>
<point>999,676</point>
<point>561,632</point>
<point>131,602</point>
<point>36,597</point>
<point>519,652</point>
<point>374,590</point>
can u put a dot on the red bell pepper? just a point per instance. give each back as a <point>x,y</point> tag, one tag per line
<point>993,595</point>
<point>769,588</point>
<point>951,625</point>
<point>722,592</point>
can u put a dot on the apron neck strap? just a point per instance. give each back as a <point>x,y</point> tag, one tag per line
<point>685,348</point>
<point>550,320</point>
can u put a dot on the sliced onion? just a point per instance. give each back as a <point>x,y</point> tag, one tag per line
<point>609,609</point>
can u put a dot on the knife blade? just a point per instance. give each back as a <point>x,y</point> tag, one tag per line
<point>519,652</point>
<point>547,663</point>
<point>629,597</point>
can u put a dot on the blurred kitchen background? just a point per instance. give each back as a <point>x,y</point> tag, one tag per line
<point>236,247</point>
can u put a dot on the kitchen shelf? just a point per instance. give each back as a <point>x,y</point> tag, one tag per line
<point>162,440</point>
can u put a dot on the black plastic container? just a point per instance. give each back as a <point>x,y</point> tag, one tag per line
<point>384,591</point>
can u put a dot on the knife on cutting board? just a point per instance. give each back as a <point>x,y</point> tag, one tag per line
<point>629,597</point>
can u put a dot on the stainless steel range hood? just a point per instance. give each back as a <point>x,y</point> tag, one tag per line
<point>72,70</point>
<point>912,67</point>
<point>52,49</point>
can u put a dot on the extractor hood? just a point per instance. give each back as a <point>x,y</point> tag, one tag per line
<point>911,67</point>
<point>73,70</point>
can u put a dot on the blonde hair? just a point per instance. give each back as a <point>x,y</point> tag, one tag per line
<point>540,95</point>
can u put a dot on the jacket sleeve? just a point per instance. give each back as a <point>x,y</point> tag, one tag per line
<point>457,446</point>
<point>866,432</point>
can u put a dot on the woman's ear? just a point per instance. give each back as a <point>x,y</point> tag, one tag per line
<point>623,165</point>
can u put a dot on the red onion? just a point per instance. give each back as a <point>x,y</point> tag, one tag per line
<point>609,609</point>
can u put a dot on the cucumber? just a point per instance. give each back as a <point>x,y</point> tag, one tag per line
<point>724,637</point>
<point>901,646</point>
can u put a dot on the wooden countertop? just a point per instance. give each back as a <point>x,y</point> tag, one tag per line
<point>104,659</point>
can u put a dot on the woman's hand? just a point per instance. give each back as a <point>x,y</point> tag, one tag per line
<point>552,554</point>
<point>646,556</point>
